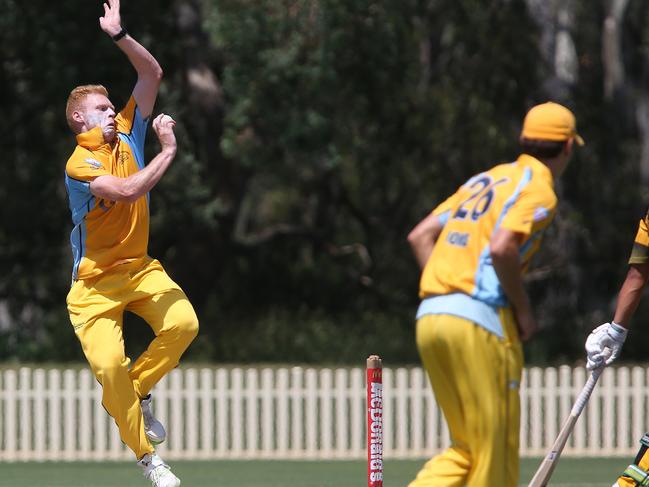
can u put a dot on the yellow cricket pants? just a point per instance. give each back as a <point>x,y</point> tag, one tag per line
<point>96,307</point>
<point>475,377</point>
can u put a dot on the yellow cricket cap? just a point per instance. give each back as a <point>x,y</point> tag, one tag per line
<point>550,121</point>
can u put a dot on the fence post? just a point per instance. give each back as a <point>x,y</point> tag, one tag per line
<point>10,416</point>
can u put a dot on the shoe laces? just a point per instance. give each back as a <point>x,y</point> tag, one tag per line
<point>154,467</point>
<point>158,472</point>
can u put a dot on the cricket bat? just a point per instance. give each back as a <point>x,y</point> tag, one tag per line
<point>545,470</point>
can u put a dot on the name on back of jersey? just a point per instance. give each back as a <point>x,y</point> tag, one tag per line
<point>460,239</point>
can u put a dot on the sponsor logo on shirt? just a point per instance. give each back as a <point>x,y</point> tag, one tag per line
<point>93,162</point>
<point>541,214</point>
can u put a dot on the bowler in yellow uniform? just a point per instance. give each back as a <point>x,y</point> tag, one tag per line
<point>473,250</point>
<point>605,342</point>
<point>108,185</point>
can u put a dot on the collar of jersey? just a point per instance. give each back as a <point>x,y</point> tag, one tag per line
<point>537,167</point>
<point>92,140</point>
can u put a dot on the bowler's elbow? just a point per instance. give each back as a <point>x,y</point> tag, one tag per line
<point>158,73</point>
<point>152,77</point>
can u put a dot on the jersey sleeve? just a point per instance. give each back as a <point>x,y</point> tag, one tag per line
<point>532,211</point>
<point>85,169</point>
<point>130,123</point>
<point>640,251</point>
<point>443,210</point>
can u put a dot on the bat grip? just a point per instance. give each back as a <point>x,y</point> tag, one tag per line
<point>585,393</point>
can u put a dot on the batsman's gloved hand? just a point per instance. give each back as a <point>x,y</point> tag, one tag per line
<point>603,345</point>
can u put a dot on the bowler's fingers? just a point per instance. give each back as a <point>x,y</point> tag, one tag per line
<point>163,120</point>
<point>168,120</point>
<point>111,6</point>
<point>156,121</point>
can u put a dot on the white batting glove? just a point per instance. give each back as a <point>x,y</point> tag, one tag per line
<point>603,345</point>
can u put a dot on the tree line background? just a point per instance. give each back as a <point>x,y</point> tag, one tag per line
<point>313,135</point>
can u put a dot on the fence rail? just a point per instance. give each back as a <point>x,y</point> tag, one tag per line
<point>302,413</point>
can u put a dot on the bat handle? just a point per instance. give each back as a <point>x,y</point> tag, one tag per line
<point>585,393</point>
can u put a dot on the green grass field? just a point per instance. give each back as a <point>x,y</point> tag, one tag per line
<point>586,472</point>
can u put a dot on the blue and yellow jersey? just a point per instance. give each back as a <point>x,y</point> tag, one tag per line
<point>640,252</point>
<point>107,233</point>
<point>518,196</point>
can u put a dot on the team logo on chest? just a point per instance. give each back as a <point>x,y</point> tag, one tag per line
<point>122,157</point>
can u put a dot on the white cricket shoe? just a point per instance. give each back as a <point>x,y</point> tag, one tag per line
<point>153,428</point>
<point>157,471</point>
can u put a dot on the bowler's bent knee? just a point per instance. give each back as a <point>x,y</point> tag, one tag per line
<point>188,328</point>
<point>184,327</point>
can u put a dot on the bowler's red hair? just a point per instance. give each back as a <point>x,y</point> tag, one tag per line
<point>75,99</point>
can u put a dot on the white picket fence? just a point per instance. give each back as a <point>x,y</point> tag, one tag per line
<point>301,413</point>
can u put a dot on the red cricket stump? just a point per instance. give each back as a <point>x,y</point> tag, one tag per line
<point>374,421</point>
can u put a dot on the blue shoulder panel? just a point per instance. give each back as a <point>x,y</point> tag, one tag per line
<point>443,217</point>
<point>487,286</point>
<point>81,201</point>
<point>136,138</point>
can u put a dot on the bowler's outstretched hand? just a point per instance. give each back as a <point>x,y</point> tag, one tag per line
<point>111,22</point>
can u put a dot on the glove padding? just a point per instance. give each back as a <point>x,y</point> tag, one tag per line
<point>604,344</point>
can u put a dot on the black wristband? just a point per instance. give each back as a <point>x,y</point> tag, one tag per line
<point>120,34</point>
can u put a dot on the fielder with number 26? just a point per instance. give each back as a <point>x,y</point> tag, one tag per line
<point>473,250</point>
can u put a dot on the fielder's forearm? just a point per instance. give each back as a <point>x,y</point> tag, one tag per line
<point>507,264</point>
<point>631,293</point>
<point>423,237</point>
<point>422,249</point>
